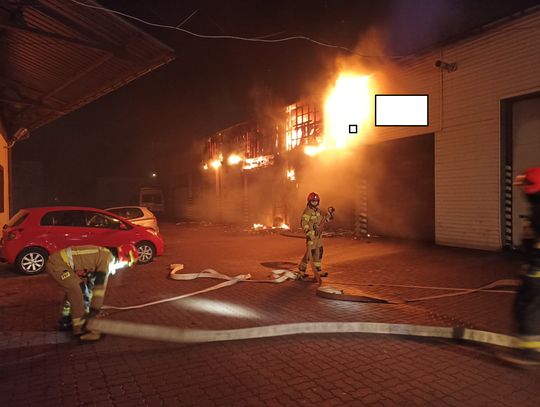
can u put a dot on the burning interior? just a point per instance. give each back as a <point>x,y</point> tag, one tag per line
<point>258,172</point>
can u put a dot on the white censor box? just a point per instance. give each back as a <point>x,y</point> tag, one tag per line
<point>401,110</point>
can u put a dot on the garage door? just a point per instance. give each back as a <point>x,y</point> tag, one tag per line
<point>401,188</point>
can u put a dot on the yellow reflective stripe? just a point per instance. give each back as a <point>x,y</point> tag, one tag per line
<point>530,345</point>
<point>67,257</point>
<point>98,292</point>
<point>84,251</point>
<point>533,274</point>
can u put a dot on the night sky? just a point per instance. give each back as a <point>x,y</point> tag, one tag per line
<point>214,83</point>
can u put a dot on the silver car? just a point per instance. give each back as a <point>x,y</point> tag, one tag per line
<point>138,215</point>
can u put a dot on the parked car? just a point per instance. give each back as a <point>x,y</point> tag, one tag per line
<point>152,198</point>
<point>139,215</point>
<point>32,234</point>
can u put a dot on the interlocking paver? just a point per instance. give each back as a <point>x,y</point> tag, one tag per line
<point>37,364</point>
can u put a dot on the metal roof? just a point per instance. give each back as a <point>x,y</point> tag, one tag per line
<point>56,56</point>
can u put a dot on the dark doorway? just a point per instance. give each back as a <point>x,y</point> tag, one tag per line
<point>401,188</point>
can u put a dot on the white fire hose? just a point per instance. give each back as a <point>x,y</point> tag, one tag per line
<point>179,335</point>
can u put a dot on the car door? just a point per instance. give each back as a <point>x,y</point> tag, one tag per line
<point>62,228</point>
<point>105,230</point>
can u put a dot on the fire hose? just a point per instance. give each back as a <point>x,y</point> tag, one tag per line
<point>179,335</point>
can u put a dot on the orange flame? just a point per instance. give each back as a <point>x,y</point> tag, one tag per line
<point>234,159</point>
<point>348,103</point>
<point>291,176</point>
<point>261,161</point>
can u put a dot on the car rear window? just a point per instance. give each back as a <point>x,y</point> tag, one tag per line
<point>101,220</point>
<point>19,218</point>
<point>128,213</point>
<point>63,218</point>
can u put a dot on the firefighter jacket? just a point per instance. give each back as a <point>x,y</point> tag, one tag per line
<point>312,219</point>
<point>86,259</point>
<point>70,267</point>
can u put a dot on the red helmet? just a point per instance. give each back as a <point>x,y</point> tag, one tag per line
<point>313,196</point>
<point>529,181</point>
<point>128,253</point>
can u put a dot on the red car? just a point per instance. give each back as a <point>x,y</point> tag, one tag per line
<point>32,234</point>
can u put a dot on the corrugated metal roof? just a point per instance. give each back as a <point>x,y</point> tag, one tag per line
<point>56,56</point>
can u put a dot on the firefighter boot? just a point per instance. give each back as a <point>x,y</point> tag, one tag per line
<point>78,326</point>
<point>64,323</point>
<point>322,273</point>
<point>525,358</point>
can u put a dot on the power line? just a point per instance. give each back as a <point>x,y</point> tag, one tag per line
<point>233,37</point>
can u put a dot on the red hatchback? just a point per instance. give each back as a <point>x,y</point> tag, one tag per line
<point>32,234</point>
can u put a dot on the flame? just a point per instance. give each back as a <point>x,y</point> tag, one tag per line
<point>215,164</point>
<point>291,176</point>
<point>234,159</point>
<point>259,226</point>
<point>261,161</point>
<point>314,150</point>
<point>349,102</point>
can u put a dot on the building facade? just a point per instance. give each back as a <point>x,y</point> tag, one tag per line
<point>448,182</point>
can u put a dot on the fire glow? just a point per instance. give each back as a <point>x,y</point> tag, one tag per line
<point>234,159</point>
<point>291,176</point>
<point>260,226</point>
<point>258,162</point>
<point>347,103</point>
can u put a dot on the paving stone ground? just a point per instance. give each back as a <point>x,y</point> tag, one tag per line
<point>42,367</point>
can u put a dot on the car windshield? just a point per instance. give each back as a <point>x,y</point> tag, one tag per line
<point>17,219</point>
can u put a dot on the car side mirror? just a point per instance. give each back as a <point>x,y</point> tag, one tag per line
<point>123,226</point>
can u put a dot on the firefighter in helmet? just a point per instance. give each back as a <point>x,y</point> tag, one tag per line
<point>312,222</point>
<point>527,301</point>
<point>83,271</point>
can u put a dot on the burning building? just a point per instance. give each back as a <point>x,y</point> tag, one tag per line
<point>448,182</point>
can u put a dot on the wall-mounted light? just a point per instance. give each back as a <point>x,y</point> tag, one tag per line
<point>448,66</point>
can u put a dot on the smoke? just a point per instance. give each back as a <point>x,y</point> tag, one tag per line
<point>413,25</point>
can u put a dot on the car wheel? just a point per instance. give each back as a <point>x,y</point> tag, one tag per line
<point>147,252</point>
<point>31,261</point>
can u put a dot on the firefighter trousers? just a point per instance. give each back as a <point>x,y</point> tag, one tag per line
<point>317,252</point>
<point>71,283</point>
<point>527,305</point>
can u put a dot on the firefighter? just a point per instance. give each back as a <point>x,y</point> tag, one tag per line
<point>82,271</point>
<point>312,223</point>
<point>527,301</point>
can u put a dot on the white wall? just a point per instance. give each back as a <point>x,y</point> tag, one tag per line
<point>495,65</point>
